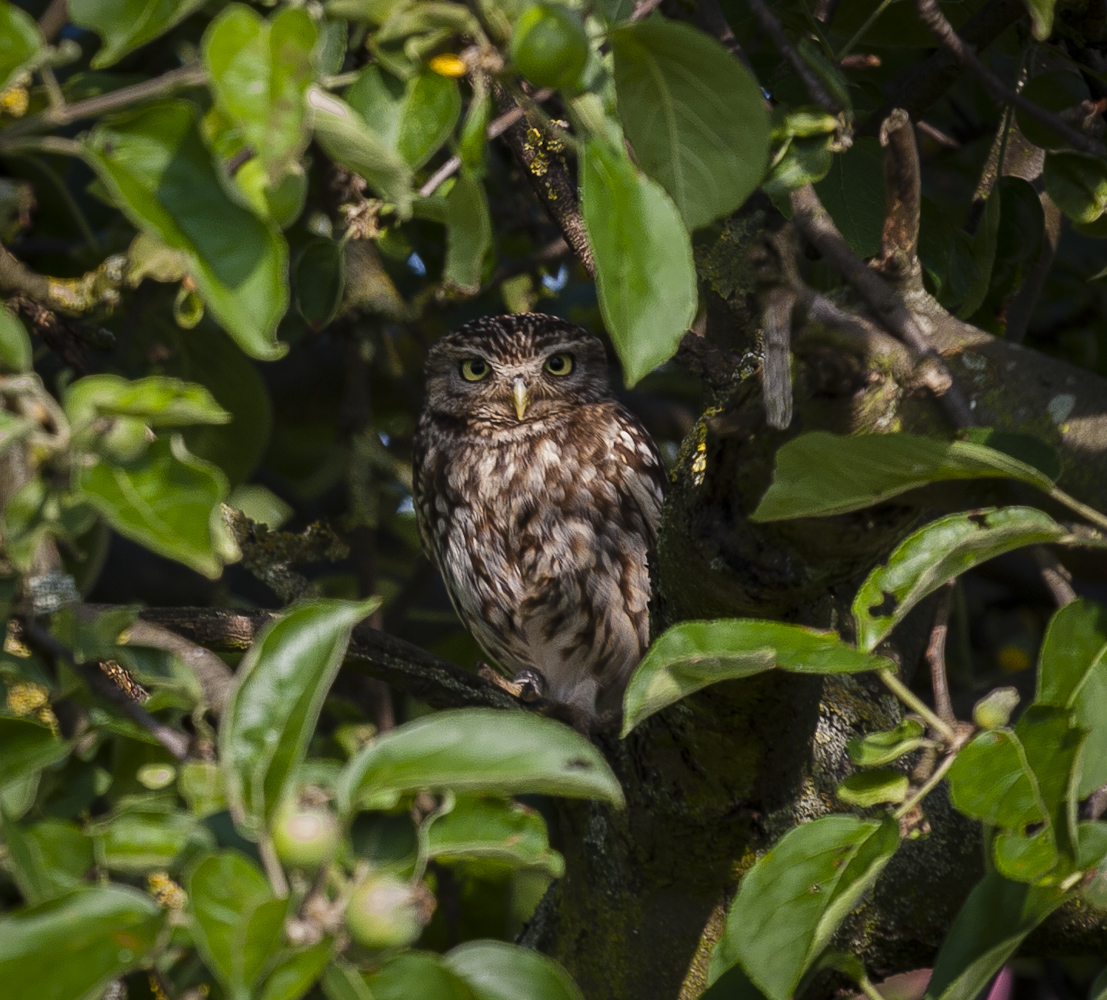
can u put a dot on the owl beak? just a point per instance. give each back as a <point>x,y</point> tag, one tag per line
<point>521,394</point>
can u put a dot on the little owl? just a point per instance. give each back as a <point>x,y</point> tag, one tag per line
<point>538,498</point>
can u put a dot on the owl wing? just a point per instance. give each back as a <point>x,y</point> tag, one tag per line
<point>643,470</point>
<point>422,492</point>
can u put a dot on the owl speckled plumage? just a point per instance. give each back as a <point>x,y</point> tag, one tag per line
<point>538,497</point>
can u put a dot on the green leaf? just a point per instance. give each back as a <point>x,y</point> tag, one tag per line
<point>983,254</point>
<point>468,234</point>
<point>1077,182</point>
<point>1041,18</point>
<point>477,750</point>
<point>414,117</point>
<point>873,788</point>
<point>20,42</point>
<point>346,138</point>
<point>28,748</point>
<point>1072,673</point>
<point>160,174</point>
<point>644,271</point>
<point>1056,90</point>
<point>989,927</point>
<point>275,705</point>
<point>936,554</point>
<point>15,345</point>
<point>295,972</point>
<point>692,655</point>
<point>877,749</point>
<point>498,971</point>
<point>695,116</point>
<point>804,160</point>
<point>167,500</point>
<point>818,474</point>
<point>497,830</point>
<point>237,921</point>
<point>792,900</point>
<point>45,859</point>
<point>853,193</point>
<point>342,981</point>
<point>260,72</point>
<point>137,842</point>
<point>158,401</point>
<point>320,280</point>
<point>125,25</point>
<point>74,945</point>
<point>418,974</point>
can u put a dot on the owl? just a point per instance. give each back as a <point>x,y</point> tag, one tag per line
<point>538,498</point>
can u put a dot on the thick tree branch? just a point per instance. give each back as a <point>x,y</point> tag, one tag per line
<point>70,295</point>
<point>899,261</point>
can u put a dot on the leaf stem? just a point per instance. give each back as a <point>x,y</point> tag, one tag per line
<point>1086,512</point>
<point>272,865</point>
<point>860,32</point>
<point>916,704</point>
<point>927,786</point>
<point>864,981</point>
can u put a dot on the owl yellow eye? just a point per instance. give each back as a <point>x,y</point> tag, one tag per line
<point>559,364</point>
<point>474,369</point>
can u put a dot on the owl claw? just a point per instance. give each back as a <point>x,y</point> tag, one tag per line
<point>531,685</point>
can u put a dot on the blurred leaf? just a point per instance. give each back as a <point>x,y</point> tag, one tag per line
<point>983,254</point>
<point>468,234</point>
<point>1057,90</point>
<point>1077,183</point>
<point>818,474</point>
<point>275,705</point>
<point>160,174</point>
<point>805,160</point>
<point>1072,673</point>
<point>692,655</point>
<point>473,138</point>
<point>1098,989</point>
<point>873,788</point>
<point>346,138</point>
<point>418,974</point>
<point>790,903</point>
<point>1041,18</point>
<point>238,922</point>
<point>694,114</point>
<point>295,972</point>
<point>989,927</point>
<point>125,25</point>
<point>936,554</point>
<point>414,117</point>
<point>495,970</point>
<point>319,280</point>
<point>167,500</point>
<point>616,10</point>
<point>494,829</point>
<point>159,401</point>
<point>28,747</point>
<point>47,858</point>
<point>644,271</point>
<point>134,842</point>
<point>74,945</point>
<point>15,345</point>
<point>853,193</point>
<point>201,785</point>
<point>342,981</point>
<point>877,749</point>
<point>477,749</point>
<point>945,250</point>
<point>260,72</point>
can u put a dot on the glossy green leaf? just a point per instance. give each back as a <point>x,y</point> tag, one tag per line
<point>137,842</point>
<point>877,749</point>
<point>818,474</point>
<point>160,174</point>
<point>694,114</point>
<point>320,280</point>
<point>873,788</point>
<point>936,554</point>
<point>1077,183</point>
<point>792,900</point>
<point>167,500</point>
<point>414,117</point>
<point>237,921</point>
<point>125,25</point>
<point>478,750</point>
<point>15,345</point>
<point>468,234</point>
<point>28,747</point>
<point>991,781</point>
<point>296,972</point>
<point>644,271</point>
<point>418,974</point>
<point>45,859</point>
<point>341,981</point>
<point>496,830</point>
<point>349,141</point>
<point>1072,673</point>
<point>158,401</point>
<point>260,72</point>
<point>986,931</point>
<point>275,705</point>
<point>853,193</point>
<point>73,945</point>
<point>692,655</point>
<point>495,970</point>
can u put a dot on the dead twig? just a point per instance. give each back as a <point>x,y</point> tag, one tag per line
<point>899,260</point>
<point>936,654</point>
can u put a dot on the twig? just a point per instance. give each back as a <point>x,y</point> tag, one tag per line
<point>867,987</point>
<point>552,251</point>
<point>927,786</point>
<point>175,741</point>
<point>775,30</point>
<point>1054,575</point>
<point>899,260</point>
<point>936,655</point>
<point>497,128</point>
<point>917,705</point>
<point>643,9</point>
<point>814,222</point>
<point>934,19</point>
<point>53,19</point>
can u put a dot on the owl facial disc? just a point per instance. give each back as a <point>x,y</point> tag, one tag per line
<point>520,392</point>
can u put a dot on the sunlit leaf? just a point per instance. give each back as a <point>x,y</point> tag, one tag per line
<point>497,830</point>
<point>468,234</point>
<point>877,749</point>
<point>495,970</point>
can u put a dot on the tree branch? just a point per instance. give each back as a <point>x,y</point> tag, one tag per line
<point>775,30</point>
<point>899,261</point>
<point>70,295</point>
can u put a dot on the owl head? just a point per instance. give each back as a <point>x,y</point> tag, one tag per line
<point>510,370</point>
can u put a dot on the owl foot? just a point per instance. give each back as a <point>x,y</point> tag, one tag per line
<point>528,686</point>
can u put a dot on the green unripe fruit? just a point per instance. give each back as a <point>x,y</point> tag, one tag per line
<point>305,837</point>
<point>549,46</point>
<point>993,711</point>
<point>383,912</point>
<point>125,440</point>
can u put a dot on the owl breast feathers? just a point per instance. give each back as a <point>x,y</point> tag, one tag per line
<point>538,498</point>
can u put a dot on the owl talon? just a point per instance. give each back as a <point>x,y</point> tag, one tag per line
<point>531,685</point>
